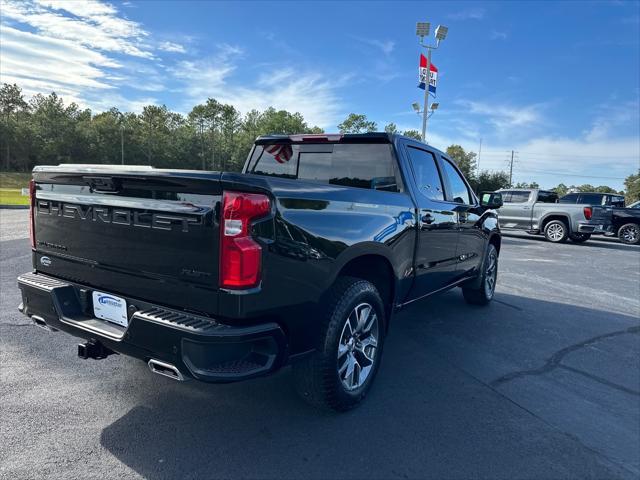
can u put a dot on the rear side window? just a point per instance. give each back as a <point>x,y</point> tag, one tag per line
<point>547,197</point>
<point>570,198</point>
<point>591,198</point>
<point>371,166</point>
<point>519,197</point>
<point>426,173</point>
<point>617,201</point>
<point>459,191</point>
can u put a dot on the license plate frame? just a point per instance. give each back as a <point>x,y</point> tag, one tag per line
<point>110,308</point>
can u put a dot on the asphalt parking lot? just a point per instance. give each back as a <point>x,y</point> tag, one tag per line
<point>543,383</point>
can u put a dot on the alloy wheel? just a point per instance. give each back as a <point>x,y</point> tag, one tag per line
<point>555,232</point>
<point>358,346</point>
<point>630,233</point>
<point>491,274</point>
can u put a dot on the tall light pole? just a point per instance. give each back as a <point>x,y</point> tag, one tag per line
<point>422,30</point>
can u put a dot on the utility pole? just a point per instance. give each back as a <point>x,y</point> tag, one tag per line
<point>511,170</point>
<point>201,125</point>
<point>122,144</point>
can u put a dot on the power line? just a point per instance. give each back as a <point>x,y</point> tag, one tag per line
<point>570,174</point>
<point>497,152</point>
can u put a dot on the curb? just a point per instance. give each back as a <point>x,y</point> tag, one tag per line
<point>14,207</point>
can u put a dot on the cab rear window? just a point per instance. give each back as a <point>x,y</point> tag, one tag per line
<point>371,166</point>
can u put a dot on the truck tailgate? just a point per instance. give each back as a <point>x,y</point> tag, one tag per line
<point>601,215</point>
<point>150,234</point>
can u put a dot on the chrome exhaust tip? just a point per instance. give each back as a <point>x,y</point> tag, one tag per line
<point>40,322</point>
<point>165,369</point>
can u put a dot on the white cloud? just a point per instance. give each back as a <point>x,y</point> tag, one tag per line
<point>385,46</point>
<point>470,14</point>
<point>53,62</point>
<point>69,47</point>
<point>172,47</point>
<point>93,24</point>
<point>505,117</point>
<point>497,35</point>
<point>308,92</point>
<point>613,115</point>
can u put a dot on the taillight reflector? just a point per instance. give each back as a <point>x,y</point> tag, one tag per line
<point>32,204</point>
<point>240,255</point>
<point>588,212</point>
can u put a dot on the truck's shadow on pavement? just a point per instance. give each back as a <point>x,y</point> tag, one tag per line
<point>435,411</point>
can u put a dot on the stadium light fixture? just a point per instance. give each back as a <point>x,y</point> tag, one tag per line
<point>422,29</point>
<point>416,106</point>
<point>441,32</point>
<point>435,105</point>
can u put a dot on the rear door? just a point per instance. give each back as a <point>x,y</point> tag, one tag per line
<point>149,234</point>
<point>435,257</point>
<point>516,210</point>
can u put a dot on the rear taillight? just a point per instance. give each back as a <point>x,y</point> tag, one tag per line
<point>32,204</point>
<point>240,255</point>
<point>588,212</point>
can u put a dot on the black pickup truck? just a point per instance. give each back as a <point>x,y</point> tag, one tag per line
<point>301,259</point>
<point>625,221</point>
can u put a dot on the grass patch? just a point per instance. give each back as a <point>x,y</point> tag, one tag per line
<point>13,196</point>
<point>14,179</point>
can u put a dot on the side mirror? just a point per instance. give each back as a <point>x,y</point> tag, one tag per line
<point>491,200</point>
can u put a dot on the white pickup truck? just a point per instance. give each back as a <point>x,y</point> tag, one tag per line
<point>537,212</point>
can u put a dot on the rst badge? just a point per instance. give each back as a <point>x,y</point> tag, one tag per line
<point>45,261</point>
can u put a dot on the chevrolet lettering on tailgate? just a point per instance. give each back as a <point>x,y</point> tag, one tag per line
<point>118,216</point>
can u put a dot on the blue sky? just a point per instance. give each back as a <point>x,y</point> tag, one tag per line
<point>559,82</point>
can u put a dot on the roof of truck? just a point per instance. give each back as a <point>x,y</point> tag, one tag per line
<point>370,137</point>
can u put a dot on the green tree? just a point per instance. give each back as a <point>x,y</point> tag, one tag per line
<point>356,123</point>
<point>12,104</point>
<point>632,187</point>
<point>466,161</point>
<point>526,185</point>
<point>561,189</point>
<point>487,181</point>
<point>413,134</point>
<point>391,128</point>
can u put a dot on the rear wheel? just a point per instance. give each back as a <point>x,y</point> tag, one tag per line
<point>629,234</point>
<point>481,292</point>
<point>556,231</point>
<point>340,373</point>
<point>579,237</point>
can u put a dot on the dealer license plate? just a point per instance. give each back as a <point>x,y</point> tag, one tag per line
<point>110,308</point>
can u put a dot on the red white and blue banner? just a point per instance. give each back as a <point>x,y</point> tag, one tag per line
<point>422,75</point>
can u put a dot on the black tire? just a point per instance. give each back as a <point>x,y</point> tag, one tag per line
<point>482,290</point>
<point>629,234</point>
<point>579,237</point>
<point>556,231</point>
<point>318,378</point>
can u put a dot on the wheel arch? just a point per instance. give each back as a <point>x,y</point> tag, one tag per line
<point>555,216</point>
<point>376,268</point>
